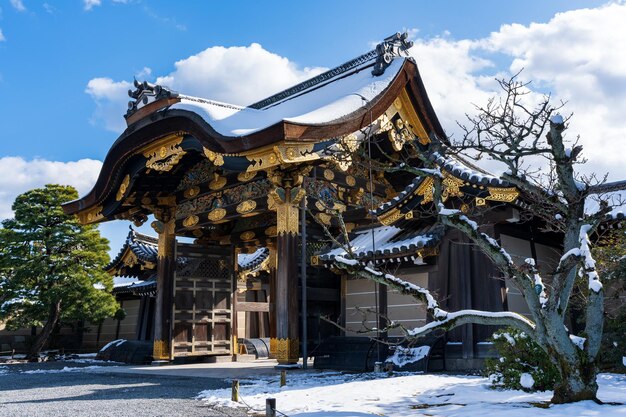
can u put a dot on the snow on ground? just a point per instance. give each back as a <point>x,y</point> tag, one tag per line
<point>66,369</point>
<point>332,394</point>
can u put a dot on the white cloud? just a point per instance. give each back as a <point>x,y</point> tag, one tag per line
<point>144,73</point>
<point>111,100</point>
<point>237,75</point>
<point>2,38</point>
<point>90,4</point>
<point>18,5</point>
<point>577,56</point>
<point>18,175</point>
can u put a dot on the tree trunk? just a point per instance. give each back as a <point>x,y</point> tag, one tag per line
<point>44,335</point>
<point>578,381</point>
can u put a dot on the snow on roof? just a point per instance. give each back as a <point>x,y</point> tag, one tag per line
<point>466,171</point>
<point>251,260</point>
<point>325,104</point>
<point>386,241</point>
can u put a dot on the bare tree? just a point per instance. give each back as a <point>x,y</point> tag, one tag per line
<point>509,131</point>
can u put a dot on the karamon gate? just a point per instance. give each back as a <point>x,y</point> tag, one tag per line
<point>240,178</point>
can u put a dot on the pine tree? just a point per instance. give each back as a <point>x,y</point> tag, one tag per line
<point>51,266</point>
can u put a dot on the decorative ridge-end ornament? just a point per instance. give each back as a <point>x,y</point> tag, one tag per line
<point>146,93</point>
<point>392,47</point>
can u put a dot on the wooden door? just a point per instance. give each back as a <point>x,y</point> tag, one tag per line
<point>202,301</point>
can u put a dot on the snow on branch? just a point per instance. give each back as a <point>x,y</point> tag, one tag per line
<point>589,264</point>
<point>540,288</point>
<point>583,254</point>
<point>442,319</point>
<point>458,318</point>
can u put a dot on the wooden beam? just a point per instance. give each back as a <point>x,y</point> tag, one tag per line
<point>253,306</point>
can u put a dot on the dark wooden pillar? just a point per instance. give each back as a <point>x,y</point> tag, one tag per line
<point>286,299</point>
<point>272,298</point>
<point>166,268</point>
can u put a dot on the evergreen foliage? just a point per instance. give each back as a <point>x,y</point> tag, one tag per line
<point>518,355</point>
<point>51,266</point>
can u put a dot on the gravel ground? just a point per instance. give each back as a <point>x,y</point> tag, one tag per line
<point>26,390</point>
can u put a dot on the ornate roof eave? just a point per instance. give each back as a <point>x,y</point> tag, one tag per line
<point>401,245</point>
<point>459,181</point>
<point>148,130</point>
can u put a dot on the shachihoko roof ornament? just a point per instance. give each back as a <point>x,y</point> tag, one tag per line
<point>394,46</point>
<point>146,93</point>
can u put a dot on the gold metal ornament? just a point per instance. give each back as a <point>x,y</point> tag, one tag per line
<point>246,176</point>
<point>216,158</point>
<point>123,187</point>
<point>91,216</point>
<point>507,195</point>
<point>217,183</point>
<point>164,154</point>
<point>246,206</point>
<point>329,175</point>
<point>287,350</point>
<point>191,192</point>
<point>217,214</point>
<point>191,221</point>
<point>350,180</point>
<point>247,235</point>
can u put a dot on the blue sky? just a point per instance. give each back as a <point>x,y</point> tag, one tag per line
<point>64,65</point>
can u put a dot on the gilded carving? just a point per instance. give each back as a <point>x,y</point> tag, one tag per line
<point>246,206</point>
<point>399,135</point>
<point>507,195</point>
<point>324,218</point>
<point>480,201</point>
<point>285,202</point>
<point>246,176</point>
<point>287,350</point>
<point>197,233</point>
<point>350,180</point>
<point>247,235</point>
<point>166,240</point>
<point>217,183</point>
<point>165,153</point>
<point>192,192</point>
<point>390,216</point>
<point>451,187</point>
<point>407,112</point>
<point>161,350</point>
<point>350,142</point>
<point>281,154</point>
<point>123,187</point>
<point>217,214</point>
<point>190,221</point>
<point>91,216</point>
<point>329,175</point>
<point>216,158</point>
<point>271,231</point>
<point>273,346</point>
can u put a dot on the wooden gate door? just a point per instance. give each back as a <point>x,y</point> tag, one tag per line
<point>202,301</point>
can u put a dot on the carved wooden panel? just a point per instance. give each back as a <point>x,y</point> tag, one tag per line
<point>202,301</point>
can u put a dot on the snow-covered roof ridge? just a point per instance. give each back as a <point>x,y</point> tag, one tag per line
<point>334,100</point>
<point>388,242</point>
<point>463,169</point>
<point>392,47</point>
<point>145,247</point>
